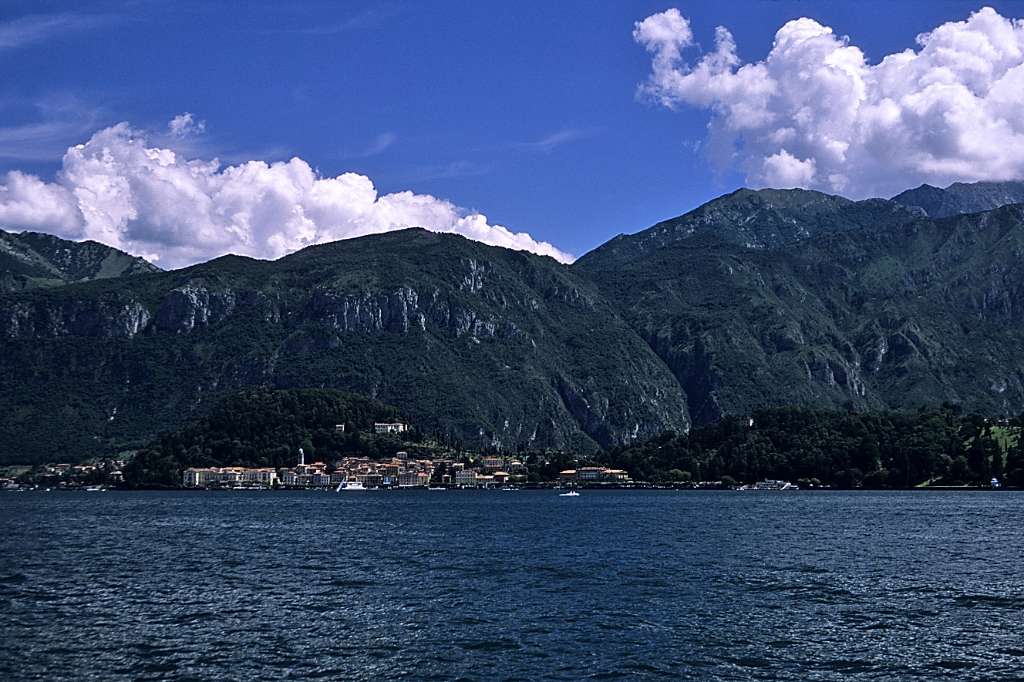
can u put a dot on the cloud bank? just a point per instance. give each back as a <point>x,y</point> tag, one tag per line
<point>815,113</point>
<point>149,200</point>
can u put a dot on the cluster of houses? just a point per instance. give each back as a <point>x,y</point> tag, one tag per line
<point>400,471</point>
<point>64,475</point>
<point>487,472</point>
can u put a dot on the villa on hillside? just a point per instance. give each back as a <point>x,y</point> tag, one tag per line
<point>390,427</point>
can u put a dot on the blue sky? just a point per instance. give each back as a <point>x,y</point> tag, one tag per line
<point>527,112</point>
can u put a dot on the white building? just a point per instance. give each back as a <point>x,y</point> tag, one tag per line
<point>201,477</point>
<point>492,464</point>
<point>594,475</point>
<point>196,477</point>
<point>263,476</point>
<point>390,427</point>
<point>413,479</point>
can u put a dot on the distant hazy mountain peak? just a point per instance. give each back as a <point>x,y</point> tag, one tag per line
<point>30,260</point>
<point>753,218</point>
<point>962,197</point>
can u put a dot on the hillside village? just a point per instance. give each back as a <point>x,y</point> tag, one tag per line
<point>399,471</point>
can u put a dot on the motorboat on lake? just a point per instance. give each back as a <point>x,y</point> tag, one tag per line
<point>348,485</point>
<point>571,493</point>
<point>770,484</point>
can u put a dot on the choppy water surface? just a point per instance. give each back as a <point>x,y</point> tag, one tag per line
<point>511,585</point>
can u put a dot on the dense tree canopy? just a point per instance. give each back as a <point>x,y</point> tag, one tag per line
<point>840,449</point>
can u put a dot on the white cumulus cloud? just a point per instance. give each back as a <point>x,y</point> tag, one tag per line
<point>815,113</point>
<point>185,124</point>
<point>27,200</point>
<point>119,189</point>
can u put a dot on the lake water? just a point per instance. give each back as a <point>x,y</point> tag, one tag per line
<point>511,585</point>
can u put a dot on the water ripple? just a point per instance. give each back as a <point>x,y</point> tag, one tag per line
<point>482,586</point>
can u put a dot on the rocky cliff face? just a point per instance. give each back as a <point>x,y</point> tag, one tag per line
<point>488,346</point>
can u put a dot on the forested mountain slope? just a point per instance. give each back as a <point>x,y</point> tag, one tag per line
<point>484,345</point>
<point>873,309</point>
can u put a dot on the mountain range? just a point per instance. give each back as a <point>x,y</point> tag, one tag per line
<point>758,298</point>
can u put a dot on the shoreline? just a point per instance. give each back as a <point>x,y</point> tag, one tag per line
<point>651,488</point>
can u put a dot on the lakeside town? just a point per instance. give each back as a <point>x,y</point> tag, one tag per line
<point>393,455</point>
<point>362,473</point>
<point>401,471</point>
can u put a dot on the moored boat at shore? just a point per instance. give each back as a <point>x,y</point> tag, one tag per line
<point>349,485</point>
<point>770,484</point>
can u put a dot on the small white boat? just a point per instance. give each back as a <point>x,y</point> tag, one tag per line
<point>94,488</point>
<point>348,485</point>
<point>770,484</point>
<point>435,488</point>
<point>571,493</point>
